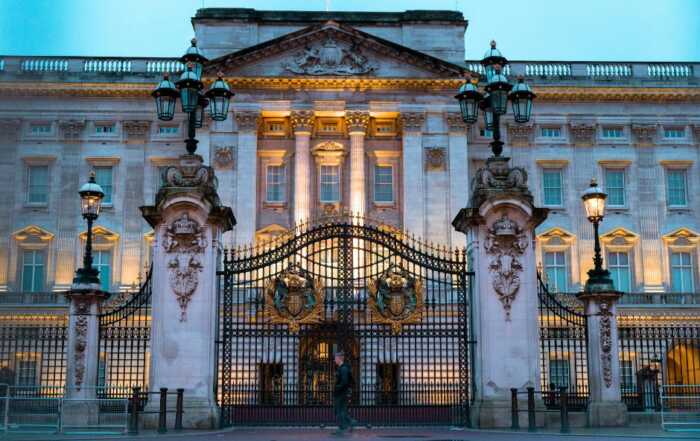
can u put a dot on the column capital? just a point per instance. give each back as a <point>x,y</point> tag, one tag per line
<point>71,129</point>
<point>302,120</point>
<point>644,134</point>
<point>412,121</point>
<point>520,134</point>
<point>357,121</point>
<point>583,134</point>
<point>455,123</point>
<point>247,120</point>
<point>136,128</point>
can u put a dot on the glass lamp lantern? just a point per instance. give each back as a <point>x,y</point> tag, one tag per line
<point>521,100</point>
<point>189,86</point>
<point>485,106</point>
<point>594,202</point>
<point>202,104</point>
<point>91,196</point>
<point>165,96</point>
<point>219,95</point>
<point>498,89</point>
<point>469,98</point>
<point>492,58</point>
<point>194,57</point>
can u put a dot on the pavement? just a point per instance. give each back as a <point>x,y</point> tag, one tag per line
<point>363,434</point>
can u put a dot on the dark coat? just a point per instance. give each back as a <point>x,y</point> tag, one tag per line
<point>343,380</point>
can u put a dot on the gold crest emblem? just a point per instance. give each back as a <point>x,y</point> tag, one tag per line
<point>396,299</point>
<point>294,298</point>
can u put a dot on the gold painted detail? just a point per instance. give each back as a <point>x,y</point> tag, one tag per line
<point>294,298</point>
<point>396,299</point>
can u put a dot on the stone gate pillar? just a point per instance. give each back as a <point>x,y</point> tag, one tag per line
<point>605,408</point>
<point>188,220</point>
<point>500,227</point>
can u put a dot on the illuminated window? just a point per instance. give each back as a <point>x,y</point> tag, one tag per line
<point>682,272</point>
<point>551,183</point>
<point>329,127</point>
<point>102,261</point>
<point>383,184</point>
<point>103,177</point>
<point>676,194</point>
<point>275,185</point>
<point>104,129</point>
<point>615,187</point>
<point>330,183</point>
<point>612,132</point>
<point>550,132</point>
<point>33,270</point>
<point>38,184</point>
<point>619,267</point>
<point>40,129</point>
<point>556,271</point>
<point>167,130</point>
<point>559,373</point>
<point>674,133</point>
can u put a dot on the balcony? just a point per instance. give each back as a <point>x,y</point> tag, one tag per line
<point>639,299</point>
<point>33,298</point>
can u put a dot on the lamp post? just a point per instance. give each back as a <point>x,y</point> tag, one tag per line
<point>594,202</point>
<point>494,102</point>
<point>189,89</point>
<point>91,195</point>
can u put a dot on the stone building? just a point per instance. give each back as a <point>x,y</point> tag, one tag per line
<point>350,111</point>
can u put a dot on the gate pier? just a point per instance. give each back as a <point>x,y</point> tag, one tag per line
<point>188,221</point>
<point>500,224</point>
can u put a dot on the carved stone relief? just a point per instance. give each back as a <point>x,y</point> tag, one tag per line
<point>357,121</point>
<point>72,129</point>
<point>82,309</point>
<point>582,134</point>
<point>505,242</point>
<point>247,121</point>
<point>412,121</point>
<point>302,120</point>
<point>329,58</point>
<point>455,123</point>
<point>185,241</point>
<point>644,134</point>
<point>223,157</point>
<point>435,159</point>
<point>519,134</point>
<point>136,129</point>
<point>606,342</point>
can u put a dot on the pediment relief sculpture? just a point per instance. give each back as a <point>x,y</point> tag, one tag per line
<point>329,58</point>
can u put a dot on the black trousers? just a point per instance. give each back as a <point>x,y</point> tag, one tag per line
<point>340,406</point>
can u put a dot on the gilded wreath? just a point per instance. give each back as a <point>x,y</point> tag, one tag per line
<point>294,298</point>
<point>396,299</point>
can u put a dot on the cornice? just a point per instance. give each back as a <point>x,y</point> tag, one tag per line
<point>544,93</point>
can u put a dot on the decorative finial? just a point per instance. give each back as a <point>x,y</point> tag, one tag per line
<point>166,76</point>
<point>493,44</point>
<point>594,182</point>
<point>220,74</point>
<point>521,78</point>
<point>91,179</point>
<point>193,41</point>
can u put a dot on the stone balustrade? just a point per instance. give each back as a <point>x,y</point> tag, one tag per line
<point>642,298</point>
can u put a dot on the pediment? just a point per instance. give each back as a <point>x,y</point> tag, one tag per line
<point>619,237</point>
<point>682,237</point>
<point>32,233</point>
<point>556,236</point>
<point>101,234</point>
<point>332,50</point>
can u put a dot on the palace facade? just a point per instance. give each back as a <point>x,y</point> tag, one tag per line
<point>352,111</point>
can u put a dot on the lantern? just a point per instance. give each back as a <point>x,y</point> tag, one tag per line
<point>498,89</point>
<point>219,95</point>
<point>594,202</point>
<point>165,95</point>
<point>202,103</point>
<point>485,107</point>
<point>91,195</point>
<point>189,86</point>
<point>521,100</point>
<point>193,56</point>
<point>469,98</point>
<point>492,58</point>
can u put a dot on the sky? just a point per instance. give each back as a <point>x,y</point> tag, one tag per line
<point>547,30</point>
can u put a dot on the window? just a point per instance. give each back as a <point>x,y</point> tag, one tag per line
<point>384,127</point>
<point>612,132</point>
<point>275,126</point>
<point>619,267</point>
<point>615,187</point>
<point>104,129</point>
<point>551,183</point>
<point>27,371</point>
<point>628,378</point>
<point>33,270</point>
<point>383,184</point>
<point>676,188</point>
<point>101,261</point>
<point>674,133</point>
<point>681,272</point>
<point>485,133</point>
<point>550,132</point>
<point>559,373</point>
<point>330,183</point>
<point>329,127</point>
<point>40,129</point>
<point>38,189</point>
<point>167,130</point>
<point>275,186</point>
<point>103,177</point>
<point>555,270</point>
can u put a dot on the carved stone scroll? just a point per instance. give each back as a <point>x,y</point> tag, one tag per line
<point>606,342</point>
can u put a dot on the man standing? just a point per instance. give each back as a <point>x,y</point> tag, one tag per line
<point>343,384</point>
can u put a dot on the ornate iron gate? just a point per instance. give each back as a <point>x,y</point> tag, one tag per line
<point>396,306</point>
<point>125,334</point>
<point>563,348</point>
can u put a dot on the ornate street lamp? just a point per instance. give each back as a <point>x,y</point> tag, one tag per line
<point>91,195</point>
<point>494,103</point>
<point>594,202</point>
<point>189,89</point>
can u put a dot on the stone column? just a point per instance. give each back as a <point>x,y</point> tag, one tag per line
<point>500,227</point>
<point>188,221</point>
<point>10,180</point>
<point>605,408</point>
<point>413,198</point>
<point>302,123</point>
<point>357,123</point>
<point>246,177</point>
<point>459,170</point>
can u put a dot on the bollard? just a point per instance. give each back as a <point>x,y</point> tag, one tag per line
<point>135,402</point>
<point>514,418</point>
<point>531,421</point>
<point>564,409</point>
<point>178,409</point>
<point>162,410</point>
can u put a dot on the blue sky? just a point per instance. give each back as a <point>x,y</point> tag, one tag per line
<point>634,30</point>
